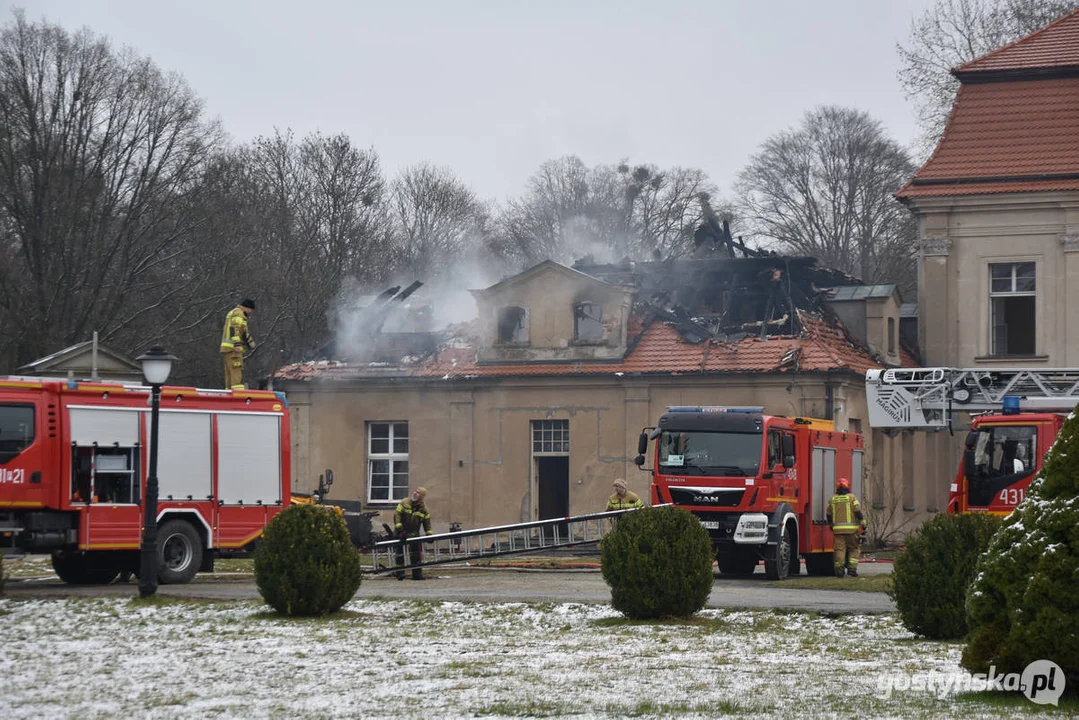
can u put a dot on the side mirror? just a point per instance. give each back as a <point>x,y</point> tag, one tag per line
<point>788,461</point>
<point>788,448</point>
<point>639,460</point>
<point>642,445</point>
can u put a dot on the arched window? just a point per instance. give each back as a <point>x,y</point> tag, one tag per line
<point>588,322</point>
<point>512,325</point>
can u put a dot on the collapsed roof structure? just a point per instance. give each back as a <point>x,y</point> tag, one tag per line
<point>773,312</point>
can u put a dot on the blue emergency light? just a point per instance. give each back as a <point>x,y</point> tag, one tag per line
<point>716,408</point>
<point>1011,404</point>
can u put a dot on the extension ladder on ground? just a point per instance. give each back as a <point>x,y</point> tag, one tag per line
<point>391,555</point>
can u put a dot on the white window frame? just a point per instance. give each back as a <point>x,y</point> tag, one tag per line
<point>396,493</point>
<point>1014,263</point>
<point>558,433</point>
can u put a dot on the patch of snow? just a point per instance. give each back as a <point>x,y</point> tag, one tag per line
<point>397,658</point>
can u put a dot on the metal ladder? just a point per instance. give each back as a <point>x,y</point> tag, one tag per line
<point>930,397</point>
<point>438,549</point>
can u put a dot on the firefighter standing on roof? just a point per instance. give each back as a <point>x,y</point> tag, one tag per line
<point>847,523</point>
<point>234,340</point>
<point>411,515</point>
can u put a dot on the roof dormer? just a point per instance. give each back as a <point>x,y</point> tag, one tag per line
<point>552,313</point>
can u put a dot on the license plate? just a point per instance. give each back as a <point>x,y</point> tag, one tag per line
<point>710,524</point>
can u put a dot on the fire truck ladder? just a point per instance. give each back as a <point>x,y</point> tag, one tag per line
<point>929,397</point>
<point>393,555</point>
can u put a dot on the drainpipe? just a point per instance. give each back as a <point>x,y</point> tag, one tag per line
<point>93,360</point>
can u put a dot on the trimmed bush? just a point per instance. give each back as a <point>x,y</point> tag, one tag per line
<point>931,576</point>
<point>1024,602</point>
<point>305,563</point>
<point>658,563</point>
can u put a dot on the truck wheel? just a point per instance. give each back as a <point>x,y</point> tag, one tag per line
<point>78,568</point>
<point>777,559</point>
<point>179,552</point>
<point>820,564</point>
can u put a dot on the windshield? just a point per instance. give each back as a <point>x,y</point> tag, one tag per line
<point>710,453</point>
<point>997,456</point>
<point>16,430</point>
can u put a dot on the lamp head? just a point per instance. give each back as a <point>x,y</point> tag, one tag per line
<point>156,365</point>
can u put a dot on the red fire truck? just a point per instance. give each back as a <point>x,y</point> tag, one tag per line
<point>1006,444</point>
<point>760,484</point>
<point>73,464</point>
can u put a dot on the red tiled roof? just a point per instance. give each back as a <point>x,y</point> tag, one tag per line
<point>659,350</point>
<point>1003,137</point>
<point>1054,46</point>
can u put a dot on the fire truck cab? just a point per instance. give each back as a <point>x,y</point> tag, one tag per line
<point>73,466</point>
<point>1016,415</point>
<point>759,483</point>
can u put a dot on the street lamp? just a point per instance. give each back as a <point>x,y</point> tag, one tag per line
<point>156,365</point>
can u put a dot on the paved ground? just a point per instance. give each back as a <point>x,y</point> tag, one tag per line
<point>509,585</point>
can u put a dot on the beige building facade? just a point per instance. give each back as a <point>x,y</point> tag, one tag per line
<point>525,419</point>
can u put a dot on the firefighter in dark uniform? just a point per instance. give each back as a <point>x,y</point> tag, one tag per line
<point>410,517</point>
<point>847,523</point>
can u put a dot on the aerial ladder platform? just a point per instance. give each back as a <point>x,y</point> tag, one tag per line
<point>463,545</point>
<point>921,398</point>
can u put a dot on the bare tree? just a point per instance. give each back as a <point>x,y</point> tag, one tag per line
<point>303,218</point>
<point>100,154</point>
<point>436,218</point>
<point>825,189</point>
<point>954,32</point>
<point>610,211</point>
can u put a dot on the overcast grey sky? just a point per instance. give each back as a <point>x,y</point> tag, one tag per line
<point>492,89</point>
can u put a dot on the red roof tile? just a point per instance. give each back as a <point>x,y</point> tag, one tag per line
<point>1002,137</point>
<point>1054,46</point>
<point>659,350</point>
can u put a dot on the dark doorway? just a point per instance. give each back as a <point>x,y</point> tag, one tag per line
<point>552,486</point>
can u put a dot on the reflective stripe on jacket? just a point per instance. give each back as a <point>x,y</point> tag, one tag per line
<point>843,511</point>
<point>631,500</point>
<point>235,331</point>
<point>411,516</point>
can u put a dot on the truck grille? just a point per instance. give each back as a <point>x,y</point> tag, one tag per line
<point>725,497</point>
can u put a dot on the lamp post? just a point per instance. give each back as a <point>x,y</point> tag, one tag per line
<point>156,365</point>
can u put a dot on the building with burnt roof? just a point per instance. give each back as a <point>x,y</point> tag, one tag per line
<point>531,410</point>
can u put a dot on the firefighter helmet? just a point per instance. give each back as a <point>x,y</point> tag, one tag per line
<point>843,483</point>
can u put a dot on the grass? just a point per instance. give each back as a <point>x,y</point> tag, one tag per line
<point>468,660</point>
<point>866,583</point>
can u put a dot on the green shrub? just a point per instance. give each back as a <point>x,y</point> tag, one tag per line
<point>932,574</point>
<point>658,562</point>
<point>305,563</point>
<point>1024,603</point>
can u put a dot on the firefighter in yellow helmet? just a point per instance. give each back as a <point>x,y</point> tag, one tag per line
<point>234,340</point>
<point>847,523</point>
<point>410,517</point>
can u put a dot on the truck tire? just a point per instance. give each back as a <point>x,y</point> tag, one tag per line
<point>179,552</point>
<point>820,564</point>
<point>777,558</point>
<point>85,568</point>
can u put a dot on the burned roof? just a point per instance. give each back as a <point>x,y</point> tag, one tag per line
<point>714,312</point>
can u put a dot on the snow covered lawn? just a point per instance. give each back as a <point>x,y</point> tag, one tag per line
<point>117,657</point>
